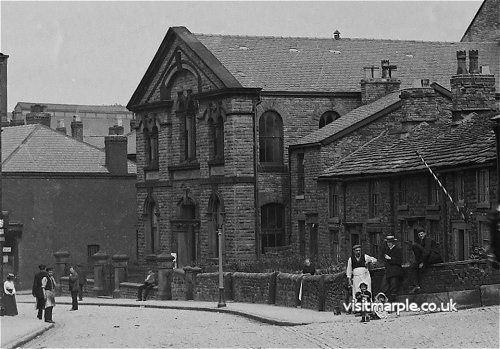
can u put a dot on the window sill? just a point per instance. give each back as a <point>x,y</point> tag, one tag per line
<point>403,207</point>
<point>185,166</point>
<point>299,197</point>
<point>483,205</point>
<point>216,162</point>
<point>435,207</point>
<point>277,168</point>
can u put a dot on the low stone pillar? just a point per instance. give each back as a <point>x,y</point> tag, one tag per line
<point>100,261</point>
<point>165,262</point>
<point>62,258</point>
<point>120,264</point>
<point>190,275</point>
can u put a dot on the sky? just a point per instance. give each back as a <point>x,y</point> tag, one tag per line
<point>97,52</point>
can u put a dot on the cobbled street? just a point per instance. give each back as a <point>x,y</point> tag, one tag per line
<point>120,327</point>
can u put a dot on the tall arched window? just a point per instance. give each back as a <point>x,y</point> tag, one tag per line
<point>272,220</point>
<point>271,138</point>
<point>152,233</point>
<point>216,136</point>
<point>151,148</point>
<point>327,118</point>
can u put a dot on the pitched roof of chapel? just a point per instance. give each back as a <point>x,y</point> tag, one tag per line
<point>39,149</point>
<point>471,142</point>
<point>329,65</point>
<point>354,118</point>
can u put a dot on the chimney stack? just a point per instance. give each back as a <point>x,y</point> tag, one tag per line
<point>3,88</point>
<point>462,68</point>
<point>471,92</point>
<point>115,147</point>
<point>37,115</point>
<point>77,128</point>
<point>374,87</point>
<point>336,35</point>
<point>60,126</point>
<point>117,128</point>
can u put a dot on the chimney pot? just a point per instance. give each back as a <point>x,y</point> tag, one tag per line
<point>462,68</point>
<point>473,62</point>
<point>336,35</point>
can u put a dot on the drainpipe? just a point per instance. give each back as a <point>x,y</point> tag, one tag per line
<point>255,103</point>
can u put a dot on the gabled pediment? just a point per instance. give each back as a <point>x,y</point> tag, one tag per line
<point>182,62</point>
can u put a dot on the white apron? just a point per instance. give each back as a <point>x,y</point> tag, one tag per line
<point>360,275</point>
<point>51,299</point>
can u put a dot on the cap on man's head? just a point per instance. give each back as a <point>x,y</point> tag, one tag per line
<point>356,247</point>
<point>10,276</point>
<point>42,266</point>
<point>390,238</point>
<point>419,229</point>
<point>363,284</point>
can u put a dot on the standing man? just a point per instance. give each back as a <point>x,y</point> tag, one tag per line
<point>82,280</point>
<point>49,286</point>
<point>426,252</point>
<point>37,290</point>
<point>393,257</point>
<point>357,270</point>
<point>74,287</point>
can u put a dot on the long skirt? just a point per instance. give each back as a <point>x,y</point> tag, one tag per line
<point>10,305</point>
<point>360,275</point>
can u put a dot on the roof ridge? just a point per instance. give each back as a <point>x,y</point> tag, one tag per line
<point>328,38</point>
<point>25,140</point>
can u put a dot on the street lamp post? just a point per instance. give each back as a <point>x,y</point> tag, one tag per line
<point>222,302</point>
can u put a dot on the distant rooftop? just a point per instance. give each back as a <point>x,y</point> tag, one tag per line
<point>75,108</point>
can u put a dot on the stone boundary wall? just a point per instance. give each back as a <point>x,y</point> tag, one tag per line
<point>446,277</point>
<point>313,292</point>
<point>254,287</point>
<point>470,283</point>
<point>287,289</point>
<point>179,289</point>
<point>206,287</point>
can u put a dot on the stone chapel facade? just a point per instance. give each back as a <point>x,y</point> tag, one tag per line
<point>216,115</point>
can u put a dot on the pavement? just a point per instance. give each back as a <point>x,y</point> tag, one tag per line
<point>20,329</point>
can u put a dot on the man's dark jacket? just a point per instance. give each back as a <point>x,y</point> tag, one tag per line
<point>393,266</point>
<point>37,290</point>
<point>429,251</point>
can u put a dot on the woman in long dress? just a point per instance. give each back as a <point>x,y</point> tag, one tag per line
<point>9,298</point>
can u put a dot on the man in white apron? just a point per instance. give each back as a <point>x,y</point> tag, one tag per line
<point>357,270</point>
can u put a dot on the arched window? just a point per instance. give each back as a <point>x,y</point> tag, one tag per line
<point>327,118</point>
<point>272,219</point>
<point>216,136</point>
<point>271,138</point>
<point>151,147</point>
<point>152,233</point>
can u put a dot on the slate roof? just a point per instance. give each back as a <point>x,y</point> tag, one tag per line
<point>82,108</point>
<point>328,65</point>
<point>37,148</point>
<point>350,119</point>
<point>442,146</point>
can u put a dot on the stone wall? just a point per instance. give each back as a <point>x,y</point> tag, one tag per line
<point>336,292</point>
<point>206,287</point>
<point>254,288</point>
<point>179,285</point>
<point>287,289</point>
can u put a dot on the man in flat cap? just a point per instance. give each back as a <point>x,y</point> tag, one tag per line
<point>393,257</point>
<point>37,290</point>
<point>357,270</point>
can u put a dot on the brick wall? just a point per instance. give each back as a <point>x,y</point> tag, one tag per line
<point>254,288</point>
<point>287,289</point>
